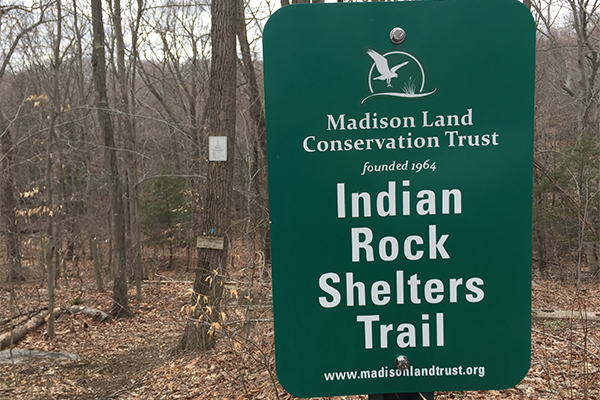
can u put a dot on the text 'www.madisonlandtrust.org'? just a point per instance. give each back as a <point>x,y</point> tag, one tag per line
<point>385,372</point>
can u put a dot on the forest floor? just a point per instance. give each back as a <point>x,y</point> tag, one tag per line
<point>132,358</point>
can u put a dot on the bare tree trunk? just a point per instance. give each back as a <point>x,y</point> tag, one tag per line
<point>128,122</point>
<point>54,109</point>
<point>196,165</point>
<point>120,307</point>
<point>588,63</point>
<point>89,208</point>
<point>200,330</point>
<point>135,164</point>
<point>257,114</point>
<point>539,233</point>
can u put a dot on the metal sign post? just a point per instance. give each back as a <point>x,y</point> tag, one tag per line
<point>400,144</point>
<point>403,396</point>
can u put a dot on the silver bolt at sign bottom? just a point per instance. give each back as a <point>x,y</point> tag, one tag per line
<point>397,35</point>
<point>402,363</point>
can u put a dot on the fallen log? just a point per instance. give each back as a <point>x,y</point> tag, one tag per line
<point>155,282</point>
<point>19,332</point>
<point>93,313</point>
<point>561,314</point>
<point>18,319</point>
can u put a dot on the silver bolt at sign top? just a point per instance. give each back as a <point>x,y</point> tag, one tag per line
<point>397,35</point>
<point>402,363</point>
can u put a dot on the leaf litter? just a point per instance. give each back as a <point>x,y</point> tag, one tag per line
<point>132,359</point>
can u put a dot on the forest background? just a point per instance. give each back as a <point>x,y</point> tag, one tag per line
<point>105,184</point>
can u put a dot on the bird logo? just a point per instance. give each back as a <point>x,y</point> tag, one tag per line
<point>407,73</point>
<point>382,66</point>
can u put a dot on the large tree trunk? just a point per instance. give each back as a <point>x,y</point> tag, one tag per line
<point>120,307</point>
<point>204,320</point>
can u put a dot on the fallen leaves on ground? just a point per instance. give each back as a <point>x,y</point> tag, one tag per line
<point>131,358</point>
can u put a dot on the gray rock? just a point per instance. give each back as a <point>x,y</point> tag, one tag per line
<point>20,355</point>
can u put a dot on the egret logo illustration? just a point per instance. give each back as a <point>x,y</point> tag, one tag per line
<point>396,74</point>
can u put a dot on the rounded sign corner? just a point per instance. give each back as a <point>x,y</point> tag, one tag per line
<point>517,377</point>
<point>289,386</point>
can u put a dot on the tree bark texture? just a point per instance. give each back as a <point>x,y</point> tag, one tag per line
<point>87,156</point>
<point>204,319</point>
<point>129,138</point>
<point>120,307</point>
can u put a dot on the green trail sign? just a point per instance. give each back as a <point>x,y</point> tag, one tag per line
<point>400,142</point>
